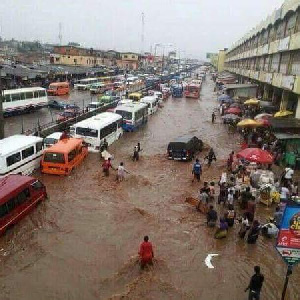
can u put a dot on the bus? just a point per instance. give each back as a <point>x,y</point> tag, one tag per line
<point>94,130</point>
<point>192,90</point>
<point>135,96</point>
<point>63,157</point>
<point>85,84</point>
<point>58,88</point>
<point>97,88</point>
<point>23,100</point>
<point>20,154</point>
<point>152,103</point>
<point>18,196</point>
<point>134,115</point>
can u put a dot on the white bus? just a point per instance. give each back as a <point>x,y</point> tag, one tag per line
<point>20,154</point>
<point>152,103</point>
<point>134,115</point>
<point>94,130</point>
<point>24,100</point>
<point>85,84</point>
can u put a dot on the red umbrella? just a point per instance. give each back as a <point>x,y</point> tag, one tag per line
<point>264,121</point>
<point>256,155</point>
<point>233,110</point>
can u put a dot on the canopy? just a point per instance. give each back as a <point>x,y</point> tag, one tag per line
<point>252,101</point>
<point>233,110</point>
<point>262,116</point>
<point>283,113</point>
<point>249,123</point>
<point>256,155</point>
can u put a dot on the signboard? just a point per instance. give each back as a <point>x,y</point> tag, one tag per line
<point>288,241</point>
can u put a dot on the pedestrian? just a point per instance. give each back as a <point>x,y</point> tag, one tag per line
<point>106,166</point>
<point>270,229</point>
<point>230,215</point>
<point>212,191</point>
<point>278,216</point>
<point>230,161</point>
<point>210,156</point>
<point>255,284</point>
<point>211,217</point>
<point>284,193</point>
<point>244,226</point>
<point>253,232</point>
<point>121,172</point>
<point>213,117</point>
<point>223,193</point>
<point>222,230</point>
<point>197,170</point>
<point>288,175</point>
<point>104,146</point>
<point>230,197</point>
<point>146,253</point>
<point>136,155</point>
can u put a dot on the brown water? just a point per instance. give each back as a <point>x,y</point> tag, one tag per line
<point>82,242</point>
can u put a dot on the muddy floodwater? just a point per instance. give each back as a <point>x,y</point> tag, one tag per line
<point>82,242</point>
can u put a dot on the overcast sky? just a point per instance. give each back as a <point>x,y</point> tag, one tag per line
<point>193,26</point>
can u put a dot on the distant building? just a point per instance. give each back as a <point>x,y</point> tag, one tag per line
<point>129,60</point>
<point>221,60</point>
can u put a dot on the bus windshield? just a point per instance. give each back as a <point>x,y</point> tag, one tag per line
<point>54,157</point>
<point>125,114</point>
<point>87,132</point>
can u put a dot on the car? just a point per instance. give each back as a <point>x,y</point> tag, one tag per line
<point>62,105</point>
<point>67,114</point>
<point>52,139</point>
<point>184,148</point>
<point>94,105</point>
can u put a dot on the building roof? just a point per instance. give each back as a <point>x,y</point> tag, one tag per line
<point>240,86</point>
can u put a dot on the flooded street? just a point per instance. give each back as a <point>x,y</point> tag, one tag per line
<point>82,242</point>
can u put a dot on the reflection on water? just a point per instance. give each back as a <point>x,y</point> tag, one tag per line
<point>82,242</point>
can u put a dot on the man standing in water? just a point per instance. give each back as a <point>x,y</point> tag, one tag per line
<point>255,284</point>
<point>213,117</point>
<point>146,252</point>
<point>197,170</point>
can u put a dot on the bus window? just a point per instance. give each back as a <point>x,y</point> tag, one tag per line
<point>7,98</point>
<point>15,97</point>
<point>22,197</point>
<point>29,95</point>
<point>42,93</point>
<point>39,146</point>
<point>3,210</point>
<point>22,96</point>
<point>108,130</point>
<point>54,157</point>
<point>12,159</point>
<point>36,94</point>
<point>10,204</point>
<point>27,152</point>
<point>87,132</point>
<point>71,155</point>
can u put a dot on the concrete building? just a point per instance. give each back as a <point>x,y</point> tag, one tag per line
<point>269,55</point>
<point>221,60</point>
<point>129,61</point>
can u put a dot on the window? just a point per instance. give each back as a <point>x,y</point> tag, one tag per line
<point>133,56</point>
<point>29,95</point>
<point>272,34</point>
<point>275,62</point>
<point>42,93</point>
<point>291,24</point>
<point>37,185</point>
<point>108,130</point>
<point>71,155</point>
<point>7,98</point>
<point>125,56</point>
<point>35,94</point>
<point>54,157</point>
<point>39,146</point>
<point>87,132</point>
<point>27,152</point>
<point>280,30</point>
<point>266,65</point>
<point>10,205</point>
<point>12,159</point>
<point>22,197</point>
<point>295,63</point>
<point>15,97</point>
<point>57,59</point>
<point>297,25</point>
<point>3,210</point>
<point>22,96</point>
<point>284,63</point>
<point>125,114</point>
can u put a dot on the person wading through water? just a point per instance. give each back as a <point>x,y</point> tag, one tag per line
<point>146,252</point>
<point>197,170</point>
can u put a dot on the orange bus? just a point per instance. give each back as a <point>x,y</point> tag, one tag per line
<point>63,157</point>
<point>58,88</point>
<point>192,90</point>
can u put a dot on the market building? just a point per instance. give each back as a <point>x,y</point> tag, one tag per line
<point>269,55</point>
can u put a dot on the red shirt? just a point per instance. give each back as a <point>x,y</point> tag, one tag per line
<point>106,165</point>
<point>146,251</point>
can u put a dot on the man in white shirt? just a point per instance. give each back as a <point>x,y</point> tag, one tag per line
<point>284,193</point>
<point>289,172</point>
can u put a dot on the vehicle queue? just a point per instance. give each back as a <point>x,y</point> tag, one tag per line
<point>59,154</point>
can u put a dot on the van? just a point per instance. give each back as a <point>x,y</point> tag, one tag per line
<point>58,89</point>
<point>63,157</point>
<point>184,148</point>
<point>52,139</point>
<point>18,196</point>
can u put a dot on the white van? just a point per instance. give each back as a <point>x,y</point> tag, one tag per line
<point>52,139</point>
<point>152,103</point>
<point>20,154</point>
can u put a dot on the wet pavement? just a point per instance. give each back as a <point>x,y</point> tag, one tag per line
<point>82,242</point>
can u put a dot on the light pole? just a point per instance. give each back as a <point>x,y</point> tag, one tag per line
<point>1,107</point>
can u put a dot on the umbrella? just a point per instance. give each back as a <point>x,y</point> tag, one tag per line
<point>249,123</point>
<point>264,121</point>
<point>233,110</point>
<point>231,116</point>
<point>224,97</point>
<point>256,155</point>
<point>283,113</point>
<point>252,101</point>
<point>235,105</point>
<point>262,116</point>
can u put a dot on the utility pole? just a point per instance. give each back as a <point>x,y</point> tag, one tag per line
<point>60,33</point>
<point>1,108</point>
<point>143,34</point>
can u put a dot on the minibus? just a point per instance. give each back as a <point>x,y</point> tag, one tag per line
<point>152,103</point>
<point>134,115</point>
<point>58,88</point>
<point>135,96</point>
<point>63,157</point>
<point>18,196</point>
<point>20,154</point>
